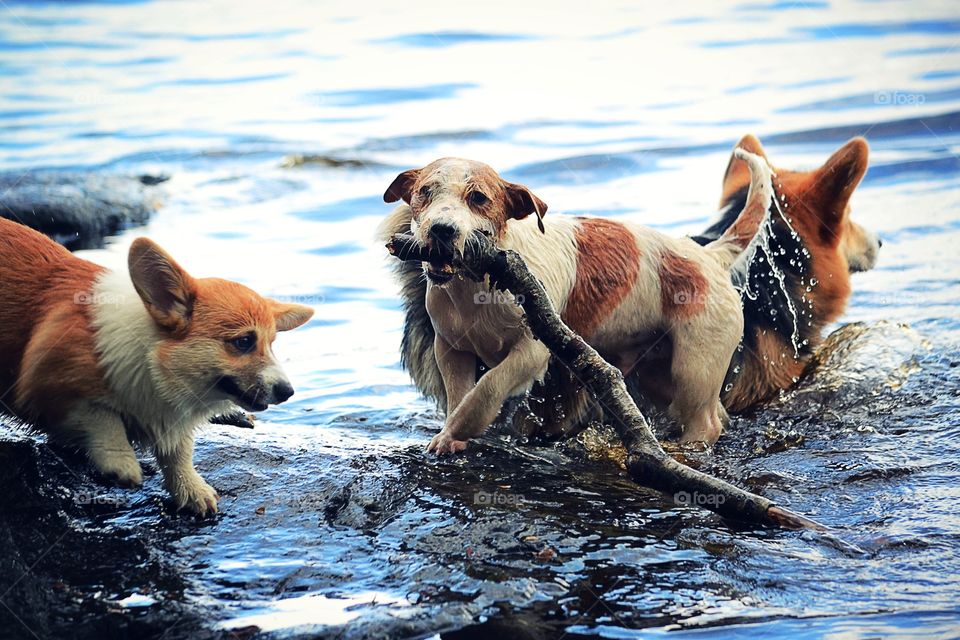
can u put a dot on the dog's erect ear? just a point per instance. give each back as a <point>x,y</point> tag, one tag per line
<point>402,186</point>
<point>839,176</point>
<point>521,202</point>
<point>290,316</point>
<point>737,174</point>
<point>167,291</point>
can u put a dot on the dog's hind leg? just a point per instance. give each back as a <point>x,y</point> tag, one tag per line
<point>104,438</point>
<point>700,362</point>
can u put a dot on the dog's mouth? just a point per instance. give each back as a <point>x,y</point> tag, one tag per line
<point>249,400</point>
<point>440,272</point>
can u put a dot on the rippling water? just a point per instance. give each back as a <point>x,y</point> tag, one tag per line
<point>282,123</point>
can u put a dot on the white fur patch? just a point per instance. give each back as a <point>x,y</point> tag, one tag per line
<point>126,339</point>
<point>550,255</point>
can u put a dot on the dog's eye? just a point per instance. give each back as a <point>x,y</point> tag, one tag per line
<point>245,343</point>
<point>477,198</point>
<point>424,192</point>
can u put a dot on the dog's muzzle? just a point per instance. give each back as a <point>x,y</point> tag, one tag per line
<point>258,396</point>
<point>441,241</point>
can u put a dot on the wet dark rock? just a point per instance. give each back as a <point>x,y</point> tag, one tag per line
<point>65,561</point>
<point>78,209</point>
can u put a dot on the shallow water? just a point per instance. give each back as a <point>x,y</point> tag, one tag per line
<point>331,515</point>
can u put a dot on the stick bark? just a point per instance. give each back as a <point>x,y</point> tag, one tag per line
<point>647,463</point>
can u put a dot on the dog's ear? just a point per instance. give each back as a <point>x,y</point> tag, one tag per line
<point>839,176</point>
<point>402,186</point>
<point>521,202</point>
<point>290,316</point>
<point>737,174</point>
<point>167,291</point>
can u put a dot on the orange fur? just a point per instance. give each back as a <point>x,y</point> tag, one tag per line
<point>46,346</point>
<point>608,262</point>
<point>766,370</point>
<point>683,289</point>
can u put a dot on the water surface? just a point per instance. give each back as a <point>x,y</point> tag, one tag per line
<point>282,123</point>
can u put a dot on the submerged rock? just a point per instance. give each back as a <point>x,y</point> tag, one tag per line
<point>78,209</point>
<point>324,160</point>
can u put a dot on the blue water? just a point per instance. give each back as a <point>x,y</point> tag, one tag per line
<point>621,109</point>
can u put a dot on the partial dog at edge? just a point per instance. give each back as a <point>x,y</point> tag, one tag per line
<point>619,285</point>
<point>96,358</point>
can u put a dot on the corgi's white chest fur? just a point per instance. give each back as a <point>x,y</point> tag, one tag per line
<point>126,340</point>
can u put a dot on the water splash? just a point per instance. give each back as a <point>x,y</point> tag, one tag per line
<point>761,250</point>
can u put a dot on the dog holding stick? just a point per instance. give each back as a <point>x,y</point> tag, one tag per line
<point>621,286</point>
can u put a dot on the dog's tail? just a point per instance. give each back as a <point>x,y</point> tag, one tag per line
<point>416,349</point>
<point>735,241</point>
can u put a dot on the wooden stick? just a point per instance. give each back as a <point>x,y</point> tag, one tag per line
<point>647,462</point>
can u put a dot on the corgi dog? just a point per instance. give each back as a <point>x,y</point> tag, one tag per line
<point>98,359</point>
<point>621,286</point>
<point>814,245</point>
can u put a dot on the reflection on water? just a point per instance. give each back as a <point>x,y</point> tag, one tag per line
<point>304,610</point>
<point>281,124</point>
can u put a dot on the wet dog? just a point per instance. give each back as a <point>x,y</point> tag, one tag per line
<point>621,286</point>
<point>96,358</point>
<point>813,245</point>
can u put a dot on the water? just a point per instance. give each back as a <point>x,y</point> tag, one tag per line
<point>331,515</point>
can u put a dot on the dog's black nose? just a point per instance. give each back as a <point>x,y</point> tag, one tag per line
<point>879,243</point>
<point>282,391</point>
<point>442,233</point>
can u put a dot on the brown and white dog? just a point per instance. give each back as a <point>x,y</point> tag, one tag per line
<point>96,358</point>
<point>619,285</point>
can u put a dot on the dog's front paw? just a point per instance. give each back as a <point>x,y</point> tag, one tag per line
<point>443,443</point>
<point>194,494</point>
